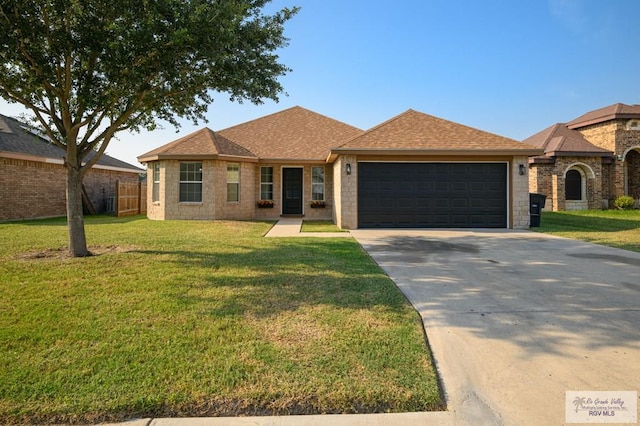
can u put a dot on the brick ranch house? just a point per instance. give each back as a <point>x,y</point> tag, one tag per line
<point>588,161</point>
<point>414,170</point>
<point>33,178</point>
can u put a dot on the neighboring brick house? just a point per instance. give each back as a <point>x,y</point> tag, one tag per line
<point>414,170</point>
<point>589,161</point>
<point>33,178</point>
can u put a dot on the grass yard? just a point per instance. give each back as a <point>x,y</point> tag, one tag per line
<point>615,228</point>
<point>200,319</point>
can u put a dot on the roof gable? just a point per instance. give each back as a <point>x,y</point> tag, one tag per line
<point>201,144</point>
<point>413,130</point>
<point>292,134</point>
<point>558,140</point>
<point>607,113</point>
<point>17,140</point>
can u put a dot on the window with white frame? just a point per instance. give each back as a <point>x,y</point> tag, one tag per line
<point>233,182</point>
<point>155,193</point>
<point>266,183</point>
<point>190,182</point>
<point>317,183</point>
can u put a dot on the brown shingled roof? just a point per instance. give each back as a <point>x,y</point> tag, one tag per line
<point>558,140</point>
<point>416,131</point>
<point>610,112</point>
<point>201,144</point>
<point>293,134</point>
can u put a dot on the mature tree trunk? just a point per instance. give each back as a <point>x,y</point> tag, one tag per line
<point>75,215</point>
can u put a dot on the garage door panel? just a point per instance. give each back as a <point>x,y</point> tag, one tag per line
<point>432,195</point>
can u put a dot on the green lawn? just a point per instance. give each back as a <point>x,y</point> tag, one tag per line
<point>197,319</point>
<point>320,226</point>
<point>615,228</point>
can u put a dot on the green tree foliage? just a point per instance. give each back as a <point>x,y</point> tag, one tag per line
<point>88,69</point>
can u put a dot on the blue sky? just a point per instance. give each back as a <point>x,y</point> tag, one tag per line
<point>504,66</point>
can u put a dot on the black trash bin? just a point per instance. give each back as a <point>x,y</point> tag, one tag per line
<point>536,204</point>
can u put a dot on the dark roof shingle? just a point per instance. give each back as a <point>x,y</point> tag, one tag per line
<point>15,137</point>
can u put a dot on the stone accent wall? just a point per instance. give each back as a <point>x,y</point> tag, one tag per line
<point>519,195</point>
<point>613,136</point>
<point>345,212</point>
<point>603,134</point>
<point>557,193</point>
<point>33,189</point>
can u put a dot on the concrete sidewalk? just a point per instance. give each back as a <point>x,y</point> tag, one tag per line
<point>290,227</point>
<point>383,419</point>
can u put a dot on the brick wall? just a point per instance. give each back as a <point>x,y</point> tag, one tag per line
<point>246,207</point>
<point>607,184</point>
<point>632,160</point>
<point>272,213</point>
<point>548,179</point>
<point>345,211</point>
<point>32,189</point>
<point>540,182</point>
<point>101,184</point>
<point>519,195</point>
<point>170,206</point>
<point>156,210</point>
<point>614,136</point>
<point>214,203</point>
<point>319,213</point>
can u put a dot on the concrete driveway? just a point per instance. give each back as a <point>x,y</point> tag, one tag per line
<point>516,318</point>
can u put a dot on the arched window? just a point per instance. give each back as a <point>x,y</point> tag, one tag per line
<point>573,185</point>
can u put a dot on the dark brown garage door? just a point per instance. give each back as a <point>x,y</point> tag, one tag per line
<point>432,195</point>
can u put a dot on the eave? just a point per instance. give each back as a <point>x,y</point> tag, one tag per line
<point>578,154</point>
<point>292,160</point>
<point>602,119</point>
<point>60,161</point>
<point>196,157</point>
<point>433,152</point>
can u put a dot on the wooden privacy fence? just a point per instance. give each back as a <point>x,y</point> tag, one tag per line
<point>131,198</point>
